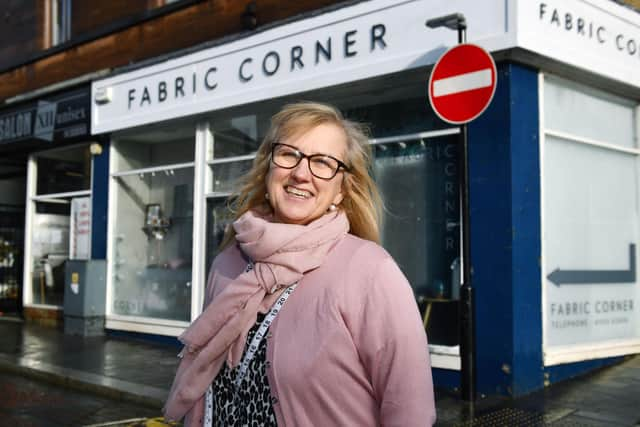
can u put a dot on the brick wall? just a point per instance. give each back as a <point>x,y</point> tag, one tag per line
<point>21,29</point>
<point>186,27</point>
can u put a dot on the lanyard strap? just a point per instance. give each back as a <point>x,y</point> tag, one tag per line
<point>260,334</point>
<point>250,353</point>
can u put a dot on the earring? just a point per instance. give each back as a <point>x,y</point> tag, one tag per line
<point>332,207</point>
<point>266,196</point>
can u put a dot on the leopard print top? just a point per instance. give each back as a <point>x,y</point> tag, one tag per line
<point>252,404</point>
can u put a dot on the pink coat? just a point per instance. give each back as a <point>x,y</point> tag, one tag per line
<point>348,347</point>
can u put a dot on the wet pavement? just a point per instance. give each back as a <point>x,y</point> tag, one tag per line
<point>138,374</point>
<point>26,402</point>
<point>112,367</point>
<point>607,397</point>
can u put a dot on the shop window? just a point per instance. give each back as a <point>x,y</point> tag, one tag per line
<point>62,171</point>
<point>239,135</point>
<point>226,175</point>
<point>588,113</point>
<point>152,246</point>
<point>155,147</point>
<point>152,239</point>
<point>235,140</point>
<point>57,180</point>
<point>418,181</point>
<point>218,219</point>
<point>591,222</point>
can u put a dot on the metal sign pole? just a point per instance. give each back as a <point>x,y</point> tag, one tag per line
<point>457,21</point>
<point>467,309</point>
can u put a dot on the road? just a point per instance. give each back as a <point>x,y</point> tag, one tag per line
<point>29,403</point>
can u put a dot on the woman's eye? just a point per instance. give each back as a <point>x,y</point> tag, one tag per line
<point>324,162</point>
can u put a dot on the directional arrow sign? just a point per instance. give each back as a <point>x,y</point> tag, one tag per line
<point>578,277</point>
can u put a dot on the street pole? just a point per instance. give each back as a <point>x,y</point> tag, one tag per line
<point>458,22</point>
<point>467,309</point>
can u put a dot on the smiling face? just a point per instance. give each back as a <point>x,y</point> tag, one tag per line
<point>297,196</point>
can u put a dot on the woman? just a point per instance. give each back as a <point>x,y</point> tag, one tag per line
<point>315,321</point>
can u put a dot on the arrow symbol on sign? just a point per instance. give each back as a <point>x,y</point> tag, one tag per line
<point>578,277</point>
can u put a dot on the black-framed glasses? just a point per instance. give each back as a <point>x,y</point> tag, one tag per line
<point>322,166</point>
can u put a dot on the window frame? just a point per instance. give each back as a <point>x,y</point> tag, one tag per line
<point>30,215</point>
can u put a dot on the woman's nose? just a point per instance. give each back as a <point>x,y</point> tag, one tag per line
<point>302,171</point>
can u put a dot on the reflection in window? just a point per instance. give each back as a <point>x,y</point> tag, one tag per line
<point>239,135</point>
<point>219,217</point>
<point>155,148</point>
<point>49,252</point>
<point>418,182</point>
<point>62,171</point>
<point>226,176</point>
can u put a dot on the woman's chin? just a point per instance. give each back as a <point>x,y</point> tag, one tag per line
<point>294,217</point>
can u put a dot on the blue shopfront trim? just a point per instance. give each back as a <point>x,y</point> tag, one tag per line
<point>100,202</point>
<point>505,236</point>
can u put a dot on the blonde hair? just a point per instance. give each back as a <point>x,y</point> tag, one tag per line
<point>361,202</point>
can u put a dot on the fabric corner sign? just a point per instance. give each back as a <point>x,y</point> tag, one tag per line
<point>64,117</point>
<point>355,42</point>
<point>592,291</point>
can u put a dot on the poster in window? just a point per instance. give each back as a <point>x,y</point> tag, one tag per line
<point>80,229</point>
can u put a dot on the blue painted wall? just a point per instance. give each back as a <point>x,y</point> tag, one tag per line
<point>100,195</point>
<point>569,370</point>
<point>505,236</point>
<point>446,378</point>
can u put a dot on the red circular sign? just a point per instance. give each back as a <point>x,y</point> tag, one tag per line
<point>462,83</point>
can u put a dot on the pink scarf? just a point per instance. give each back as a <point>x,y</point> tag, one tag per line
<point>282,254</point>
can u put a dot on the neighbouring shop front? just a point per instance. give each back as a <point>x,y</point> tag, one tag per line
<point>47,141</point>
<point>182,131</point>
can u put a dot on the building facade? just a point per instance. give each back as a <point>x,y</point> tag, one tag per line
<point>52,49</point>
<point>553,164</point>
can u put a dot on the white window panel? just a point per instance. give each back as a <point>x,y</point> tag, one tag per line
<point>588,113</point>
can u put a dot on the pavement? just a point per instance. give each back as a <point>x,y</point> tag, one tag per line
<point>138,371</point>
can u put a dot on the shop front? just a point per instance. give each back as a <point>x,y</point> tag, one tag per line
<point>48,139</point>
<point>184,130</point>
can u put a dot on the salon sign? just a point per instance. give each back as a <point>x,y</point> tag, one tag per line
<point>365,40</point>
<point>57,118</point>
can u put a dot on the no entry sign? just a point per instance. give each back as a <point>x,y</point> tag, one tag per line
<point>462,83</point>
